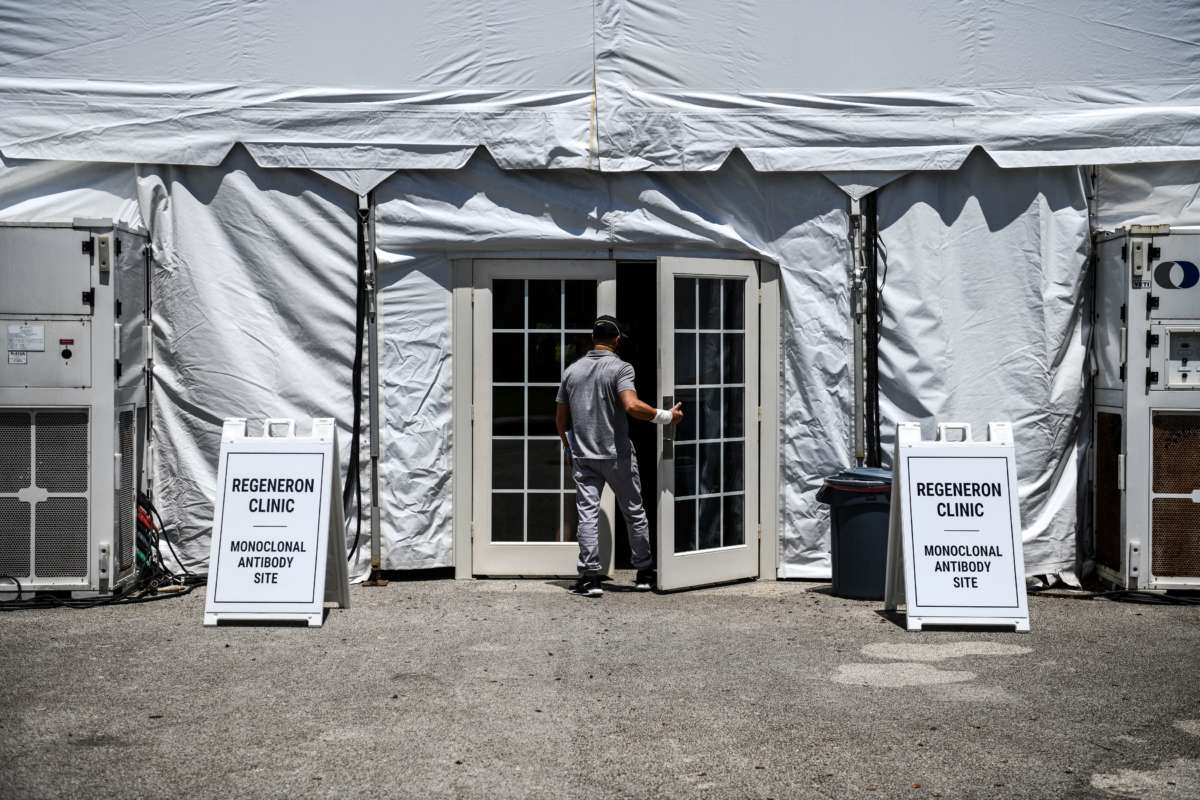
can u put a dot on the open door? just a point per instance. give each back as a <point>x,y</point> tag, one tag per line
<point>708,465</point>
<point>532,319</point>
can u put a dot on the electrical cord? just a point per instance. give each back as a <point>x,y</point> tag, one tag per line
<point>360,321</point>
<point>15,581</point>
<point>1138,597</point>
<point>1148,598</point>
<point>149,504</point>
<point>155,580</point>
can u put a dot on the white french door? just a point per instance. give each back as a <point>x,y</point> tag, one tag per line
<point>531,320</point>
<point>708,464</point>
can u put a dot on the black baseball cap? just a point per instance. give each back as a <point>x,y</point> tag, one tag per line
<point>606,327</point>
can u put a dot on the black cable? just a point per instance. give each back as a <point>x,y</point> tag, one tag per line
<point>123,600</point>
<point>353,484</point>
<point>17,582</point>
<point>1149,598</point>
<point>161,536</point>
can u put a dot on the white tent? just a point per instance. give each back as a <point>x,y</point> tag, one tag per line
<point>241,136</point>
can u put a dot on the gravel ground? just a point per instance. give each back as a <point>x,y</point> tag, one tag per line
<point>498,689</point>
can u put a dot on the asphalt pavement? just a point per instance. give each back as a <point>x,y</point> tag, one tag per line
<point>515,688</point>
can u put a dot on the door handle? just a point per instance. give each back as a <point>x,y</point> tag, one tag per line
<point>668,431</point>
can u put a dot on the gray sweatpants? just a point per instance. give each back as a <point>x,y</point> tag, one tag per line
<point>621,474</point>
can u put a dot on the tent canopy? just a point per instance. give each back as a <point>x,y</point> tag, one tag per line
<point>610,85</point>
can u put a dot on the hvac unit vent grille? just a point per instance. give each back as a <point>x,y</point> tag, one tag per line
<point>62,451</point>
<point>1108,495</point>
<point>1175,521</point>
<point>1175,537</point>
<point>49,450</point>
<point>61,538</point>
<point>1176,453</point>
<point>126,496</point>
<point>16,437</point>
<point>14,537</point>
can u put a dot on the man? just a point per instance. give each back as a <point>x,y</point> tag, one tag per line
<point>595,395</point>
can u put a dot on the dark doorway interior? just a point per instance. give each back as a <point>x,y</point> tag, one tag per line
<point>637,309</point>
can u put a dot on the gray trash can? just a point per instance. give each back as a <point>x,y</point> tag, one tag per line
<point>859,500</point>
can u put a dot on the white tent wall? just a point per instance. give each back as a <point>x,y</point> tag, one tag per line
<point>1148,194</point>
<point>254,307</point>
<point>983,319</point>
<point>59,191</point>
<point>426,219</point>
<point>415,394</point>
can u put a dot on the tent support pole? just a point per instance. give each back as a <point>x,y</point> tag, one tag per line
<point>366,204</point>
<point>858,313</point>
<point>871,329</point>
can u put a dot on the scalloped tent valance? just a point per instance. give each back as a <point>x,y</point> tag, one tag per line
<point>610,85</point>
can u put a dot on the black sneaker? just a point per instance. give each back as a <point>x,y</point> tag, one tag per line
<point>645,580</point>
<point>588,586</point>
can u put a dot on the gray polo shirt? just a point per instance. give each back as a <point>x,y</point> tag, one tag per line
<point>590,386</point>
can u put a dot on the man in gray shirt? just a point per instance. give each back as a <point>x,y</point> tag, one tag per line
<point>595,395</point>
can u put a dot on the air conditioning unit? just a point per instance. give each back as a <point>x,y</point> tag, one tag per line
<point>1146,434</point>
<point>74,393</point>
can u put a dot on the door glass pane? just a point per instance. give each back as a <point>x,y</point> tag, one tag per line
<point>542,402</point>
<point>733,466</point>
<point>710,468</point>
<point>543,464</point>
<point>709,305</point>
<point>710,358</point>
<point>685,525</point>
<point>533,498</point>
<point>709,413</point>
<point>685,304</point>
<point>710,450</point>
<point>733,522</point>
<point>508,411</point>
<point>507,451</point>
<point>545,305</point>
<point>544,520</point>
<point>545,365</point>
<point>735,305</point>
<point>507,364</point>
<point>685,359</point>
<point>508,304</point>
<point>709,527</point>
<point>685,470</point>
<point>731,358</point>
<point>508,511</point>
<point>686,431</point>
<point>734,413</point>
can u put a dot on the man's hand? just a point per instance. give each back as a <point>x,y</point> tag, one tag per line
<point>644,411</point>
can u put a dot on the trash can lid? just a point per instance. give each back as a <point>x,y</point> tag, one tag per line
<point>861,479</point>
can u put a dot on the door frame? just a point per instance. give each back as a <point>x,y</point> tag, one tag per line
<point>462,359</point>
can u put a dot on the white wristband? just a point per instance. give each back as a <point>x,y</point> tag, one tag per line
<point>662,417</point>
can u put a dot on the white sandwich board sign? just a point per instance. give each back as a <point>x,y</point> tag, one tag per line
<point>278,549</point>
<point>954,543</point>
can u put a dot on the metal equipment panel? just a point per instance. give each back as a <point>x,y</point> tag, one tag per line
<point>125,500</point>
<point>64,362</point>
<point>45,270</point>
<point>1108,490</point>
